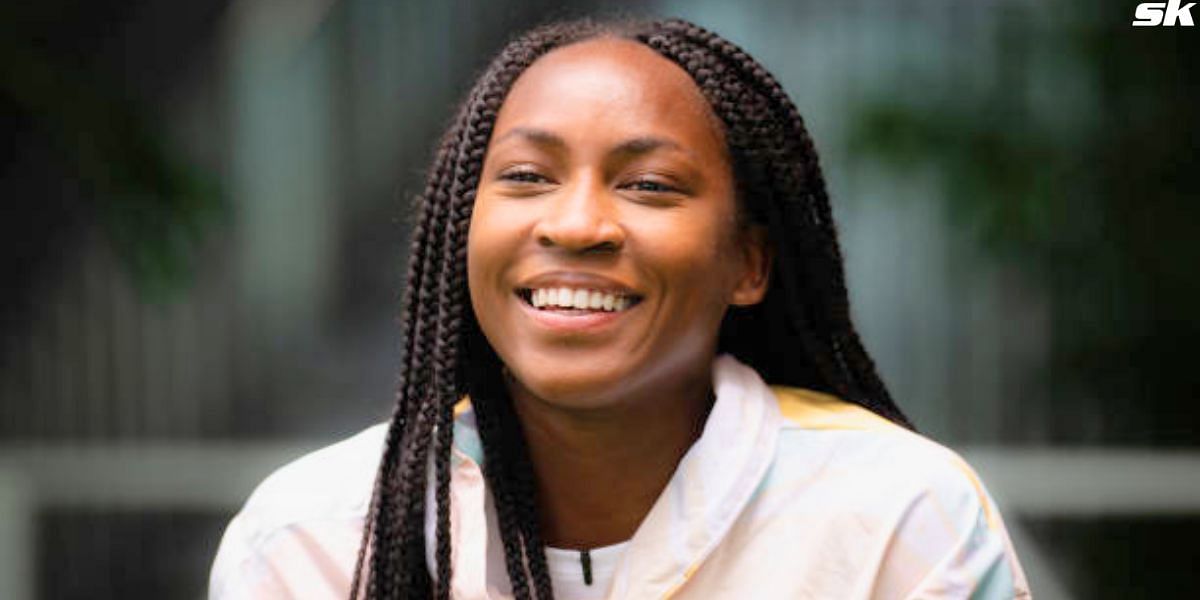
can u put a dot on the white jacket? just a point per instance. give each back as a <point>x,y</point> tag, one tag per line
<point>788,493</point>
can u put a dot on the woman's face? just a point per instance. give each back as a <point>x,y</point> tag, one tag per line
<point>604,248</point>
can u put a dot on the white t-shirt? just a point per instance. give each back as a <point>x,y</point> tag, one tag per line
<point>786,494</point>
<point>567,571</point>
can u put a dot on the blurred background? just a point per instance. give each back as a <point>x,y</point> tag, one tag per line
<point>205,215</point>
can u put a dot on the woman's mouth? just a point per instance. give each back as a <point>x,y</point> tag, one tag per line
<point>578,301</point>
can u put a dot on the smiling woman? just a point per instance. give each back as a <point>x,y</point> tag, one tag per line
<point>648,244</point>
<point>608,180</point>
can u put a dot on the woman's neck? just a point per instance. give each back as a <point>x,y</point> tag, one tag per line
<point>599,471</point>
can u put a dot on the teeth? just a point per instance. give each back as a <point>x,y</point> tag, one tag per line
<point>578,299</point>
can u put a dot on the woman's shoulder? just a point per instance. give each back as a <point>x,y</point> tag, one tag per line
<point>813,410</point>
<point>300,528</point>
<point>870,458</point>
<point>866,501</point>
<point>814,419</point>
<point>335,480</point>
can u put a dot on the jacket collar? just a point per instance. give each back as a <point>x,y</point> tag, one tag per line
<point>714,481</point>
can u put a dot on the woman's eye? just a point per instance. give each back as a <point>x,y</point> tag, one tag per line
<point>647,185</point>
<point>524,177</point>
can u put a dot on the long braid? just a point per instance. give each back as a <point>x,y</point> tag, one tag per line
<point>442,448</point>
<point>444,427</point>
<point>415,349</point>
<point>451,301</point>
<point>444,355</point>
<point>493,414</point>
<point>418,265</point>
<point>427,391</point>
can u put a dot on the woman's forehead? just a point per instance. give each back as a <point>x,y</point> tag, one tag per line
<point>610,86</point>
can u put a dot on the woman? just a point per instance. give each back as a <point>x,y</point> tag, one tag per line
<point>624,234</point>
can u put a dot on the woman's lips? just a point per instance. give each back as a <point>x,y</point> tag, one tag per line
<point>578,298</point>
<point>574,281</point>
<point>573,319</point>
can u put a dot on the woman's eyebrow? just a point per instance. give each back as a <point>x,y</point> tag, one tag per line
<point>644,145</point>
<point>539,137</point>
<point>632,147</point>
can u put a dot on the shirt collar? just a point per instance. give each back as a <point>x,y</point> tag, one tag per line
<point>712,484</point>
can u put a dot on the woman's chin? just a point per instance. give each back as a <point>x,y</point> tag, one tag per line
<point>575,389</point>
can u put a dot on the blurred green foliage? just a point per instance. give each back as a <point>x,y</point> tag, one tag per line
<point>156,207</point>
<point>1078,164</point>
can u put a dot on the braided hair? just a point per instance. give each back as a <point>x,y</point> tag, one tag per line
<point>445,356</point>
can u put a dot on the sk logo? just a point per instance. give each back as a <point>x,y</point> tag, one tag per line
<point>1150,14</point>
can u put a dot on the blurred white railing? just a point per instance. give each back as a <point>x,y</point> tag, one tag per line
<point>218,477</point>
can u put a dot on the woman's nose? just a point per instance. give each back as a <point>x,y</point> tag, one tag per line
<point>581,220</point>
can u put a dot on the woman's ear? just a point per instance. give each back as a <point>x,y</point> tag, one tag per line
<point>757,257</point>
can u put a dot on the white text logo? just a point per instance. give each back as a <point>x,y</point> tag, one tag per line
<point>1149,14</point>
